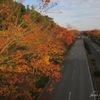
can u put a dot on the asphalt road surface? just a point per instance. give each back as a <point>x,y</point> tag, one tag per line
<point>76,82</point>
<point>95,49</point>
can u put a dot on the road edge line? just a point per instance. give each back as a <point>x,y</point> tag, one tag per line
<point>89,70</point>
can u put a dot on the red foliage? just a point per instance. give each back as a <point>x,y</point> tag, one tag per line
<point>29,58</point>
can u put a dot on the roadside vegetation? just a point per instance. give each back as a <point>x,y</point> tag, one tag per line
<point>94,35</point>
<point>32,48</point>
<point>95,72</point>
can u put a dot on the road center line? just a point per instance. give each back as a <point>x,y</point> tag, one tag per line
<point>69,95</point>
<point>73,74</point>
<point>75,63</point>
<point>97,50</point>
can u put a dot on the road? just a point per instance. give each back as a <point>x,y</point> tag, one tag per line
<point>76,82</point>
<point>95,49</point>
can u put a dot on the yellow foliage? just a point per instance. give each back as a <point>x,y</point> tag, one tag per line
<point>46,58</point>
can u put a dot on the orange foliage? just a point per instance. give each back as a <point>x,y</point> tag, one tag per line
<point>46,1</point>
<point>29,58</point>
<point>66,35</point>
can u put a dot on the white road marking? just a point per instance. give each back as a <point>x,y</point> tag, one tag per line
<point>73,74</point>
<point>90,76</point>
<point>93,94</point>
<point>97,50</point>
<point>75,63</point>
<point>69,98</point>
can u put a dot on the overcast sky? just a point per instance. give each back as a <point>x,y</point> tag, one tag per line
<point>80,14</point>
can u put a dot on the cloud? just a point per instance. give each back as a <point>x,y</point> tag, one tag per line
<point>76,21</point>
<point>81,1</point>
<point>83,14</point>
<point>94,18</point>
<point>78,2</point>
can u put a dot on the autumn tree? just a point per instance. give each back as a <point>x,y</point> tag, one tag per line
<point>31,51</point>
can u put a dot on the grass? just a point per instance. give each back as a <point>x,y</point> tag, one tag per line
<point>87,47</point>
<point>97,73</point>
